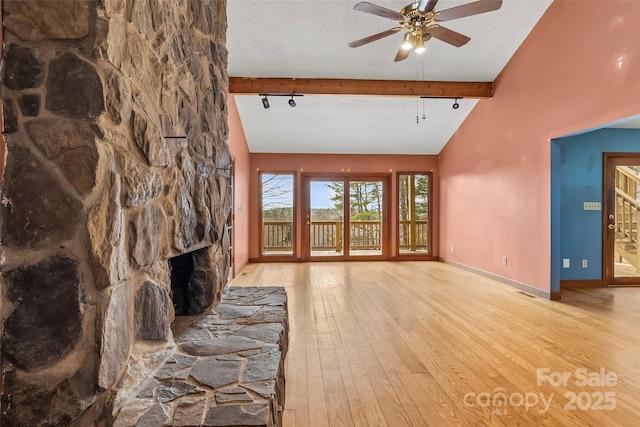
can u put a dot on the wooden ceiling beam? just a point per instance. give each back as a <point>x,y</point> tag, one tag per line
<point>394,88</point>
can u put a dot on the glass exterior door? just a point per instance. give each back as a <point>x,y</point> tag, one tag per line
<point>325,219</point>
<point>622,235</point>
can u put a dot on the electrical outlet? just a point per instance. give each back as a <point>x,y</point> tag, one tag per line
<point>591,206</point>
<point>585,264</point>
<point>504,260</point>
<point>451,248</point>
<point>566,263</point>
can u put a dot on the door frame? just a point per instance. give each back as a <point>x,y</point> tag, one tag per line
<point>386,222</point>
<point>610,161</point>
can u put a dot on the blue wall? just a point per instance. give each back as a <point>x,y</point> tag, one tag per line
<point>576,177</point>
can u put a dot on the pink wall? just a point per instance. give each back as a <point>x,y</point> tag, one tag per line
<point>240,152</point>
<point>339,164</point>
<point>579,68</point>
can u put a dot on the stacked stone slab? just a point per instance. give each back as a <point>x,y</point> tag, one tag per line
<point>115,123</point>
<point>228,369</point>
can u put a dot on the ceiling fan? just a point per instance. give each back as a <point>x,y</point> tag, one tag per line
<point>421,22</point>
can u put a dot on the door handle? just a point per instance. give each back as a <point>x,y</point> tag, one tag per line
<point>611,226</point>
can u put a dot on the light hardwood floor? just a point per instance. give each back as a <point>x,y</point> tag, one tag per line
<point>426,343</point>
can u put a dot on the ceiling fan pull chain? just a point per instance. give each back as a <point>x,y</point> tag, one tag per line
<point>424,115</point>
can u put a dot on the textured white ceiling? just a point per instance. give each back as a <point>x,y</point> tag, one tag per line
<point>633,123</point>
<point>309,39</point>
<point>350,125</point>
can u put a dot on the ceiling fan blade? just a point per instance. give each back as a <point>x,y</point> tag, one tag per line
<point>475,8</point>
<point>426,5</point>
<point>373,9</point>
<point>402,54</point>
<point>449,36</point>
<point>374,37</point>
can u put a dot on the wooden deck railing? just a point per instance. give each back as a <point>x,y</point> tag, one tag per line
<point>328,235</point>
<point>414,234</point>
<point>626,216</point>
<point>277,235</point>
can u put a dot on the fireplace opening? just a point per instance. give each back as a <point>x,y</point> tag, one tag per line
<point>182,268</point>
<point>193,278</point>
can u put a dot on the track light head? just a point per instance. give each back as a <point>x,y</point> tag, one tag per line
<point>265,102</point>
<point>292,102</point>
<point>455,104</point>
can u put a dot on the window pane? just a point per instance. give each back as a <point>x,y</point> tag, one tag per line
<point>413,214</point>
<point>365,218</point>
<point>625,220</point>
<point>277,214</point>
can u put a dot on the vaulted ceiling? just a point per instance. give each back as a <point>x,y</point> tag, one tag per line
<point>303,39</point>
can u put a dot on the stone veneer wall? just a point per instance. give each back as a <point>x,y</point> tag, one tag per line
<point>96,198</point>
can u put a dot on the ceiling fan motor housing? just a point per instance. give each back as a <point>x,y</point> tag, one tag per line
<point>415,21</point>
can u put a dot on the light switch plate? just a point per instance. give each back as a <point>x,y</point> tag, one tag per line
<point>591,206</point>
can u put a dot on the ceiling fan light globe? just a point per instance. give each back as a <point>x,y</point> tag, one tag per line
<point>420,48</point>
<point>407,42</point>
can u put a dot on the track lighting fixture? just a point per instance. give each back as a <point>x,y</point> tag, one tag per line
<point>265,100</point>
<point>424,115</point>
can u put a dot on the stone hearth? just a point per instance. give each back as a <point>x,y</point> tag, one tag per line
<point>116,128</point>
<point>227,370</point>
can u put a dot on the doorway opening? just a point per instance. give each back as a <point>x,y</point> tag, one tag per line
<point>584,216</point>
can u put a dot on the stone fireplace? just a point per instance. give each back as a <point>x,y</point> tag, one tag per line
<point>115,124</point>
